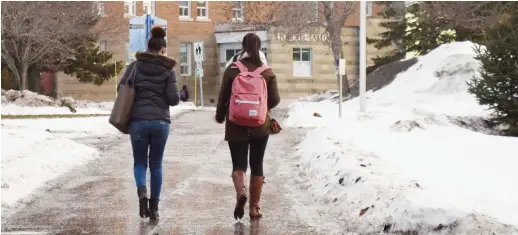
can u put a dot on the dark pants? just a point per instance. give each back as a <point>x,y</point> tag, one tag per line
<point>148,138</point>
<point>239,153</point>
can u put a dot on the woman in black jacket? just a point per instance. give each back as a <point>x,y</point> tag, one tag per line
<point>155,91</point>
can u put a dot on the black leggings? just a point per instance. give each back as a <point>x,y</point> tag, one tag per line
<point>239,153</point>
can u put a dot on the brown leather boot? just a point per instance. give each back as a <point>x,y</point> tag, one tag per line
<point>256,188</point>
<point>239,178</point>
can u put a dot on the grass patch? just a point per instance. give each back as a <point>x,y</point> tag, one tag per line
<point>52,116</point>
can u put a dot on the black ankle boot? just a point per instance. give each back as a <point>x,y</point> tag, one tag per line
<point>143,202</point>
<point>153,209</point>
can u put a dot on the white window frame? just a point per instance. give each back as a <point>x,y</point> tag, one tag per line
<point>188,63</point>
<point>99,9</point>
<point>240,9</point>
<point>132,8</point>
<point>206,8</point>
<point>265,51</point>
<point>369,8</point>
<point>189,13</point>
<point>236,51</point>
<point>102,45</point>
<point>298,64</point>
<point>150,5</point>
<point>317,9</point>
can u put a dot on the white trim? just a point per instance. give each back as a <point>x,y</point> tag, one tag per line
<point>102,45</point>
<point>187,63</point>
<point>240,9</point>
<point>206,8</point>
<point>237,37</point>
<point>100,9</point>
<point>302,68</point>
<point>369,8</point>
<point>189,14</point>
<point>246,101</point>
<point>148,4</point>
<point>132,8</point>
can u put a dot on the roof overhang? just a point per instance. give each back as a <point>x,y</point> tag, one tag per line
<point>234,37</point>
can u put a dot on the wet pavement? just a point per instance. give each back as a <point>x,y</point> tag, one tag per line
<point>197,195</point>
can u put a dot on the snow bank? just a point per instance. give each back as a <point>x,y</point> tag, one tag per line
<point>30,103</point>
<point>31,157</point>
<point>404,163</point>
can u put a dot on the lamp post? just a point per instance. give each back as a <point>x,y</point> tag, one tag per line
<point>363,53</point>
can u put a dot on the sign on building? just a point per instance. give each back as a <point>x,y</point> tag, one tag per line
<point>198,51</point>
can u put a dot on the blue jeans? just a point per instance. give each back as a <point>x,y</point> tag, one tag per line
<point>149,135</point>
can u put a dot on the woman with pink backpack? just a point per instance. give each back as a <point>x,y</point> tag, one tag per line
<point>248,91</point>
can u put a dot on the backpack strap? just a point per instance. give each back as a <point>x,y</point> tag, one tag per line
<point>261,69</point>
<point>242,68</point>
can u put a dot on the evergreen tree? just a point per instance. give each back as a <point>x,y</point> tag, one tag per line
<point>91,65</point>
<point>497,86</point>
<point>394,36</point>
<point>410,29</point>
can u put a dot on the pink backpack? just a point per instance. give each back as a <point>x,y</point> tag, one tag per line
<point>249,97</point>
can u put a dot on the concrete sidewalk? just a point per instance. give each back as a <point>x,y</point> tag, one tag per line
<point>197,195</point>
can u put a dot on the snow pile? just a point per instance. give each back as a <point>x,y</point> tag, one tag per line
<point>30,103</point>
<point>42,157</point>
<point>405,165</point>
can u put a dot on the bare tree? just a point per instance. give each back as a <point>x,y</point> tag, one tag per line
<point>33,30</point>
<point>300,17</point>
<point>467,14</point>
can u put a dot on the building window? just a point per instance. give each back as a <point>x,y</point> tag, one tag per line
<point>237,11</point>
<point>130,8</point>
<point>185,59</point>
<point>99,9</point>
<point>202,9</point>
<point>229,53</point>
<point>185,8</point>
<point>265,51</point>
<point>149,7</point>
<point>316,12</point>
<point>102,45</point>
<point>302,62</point>
<point>369,8</point>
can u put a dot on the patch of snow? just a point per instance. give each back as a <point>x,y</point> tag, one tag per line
<point>405,162</point>
<point>30,158</point>
<point>13,109</point>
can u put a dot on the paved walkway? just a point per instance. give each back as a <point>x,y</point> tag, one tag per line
<point>197,196</point>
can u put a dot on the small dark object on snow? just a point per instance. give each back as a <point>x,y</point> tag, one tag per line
<point>341,180</point>
<point>336,199</point>
<point>387,227</point>
<point>417,185</point>
<point>364,210</point>
<point>317,115</point>
<point>358,179</point>
<point>439,227</point>
<point>47,130</point>
<point>363,165</point>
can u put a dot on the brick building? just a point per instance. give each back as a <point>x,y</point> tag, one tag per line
<point>303,63</point>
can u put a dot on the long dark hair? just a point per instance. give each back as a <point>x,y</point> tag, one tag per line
<point>252,45</point>
<point>157,40</point>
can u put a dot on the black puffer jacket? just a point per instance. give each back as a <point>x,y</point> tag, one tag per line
<point>155,86</point>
